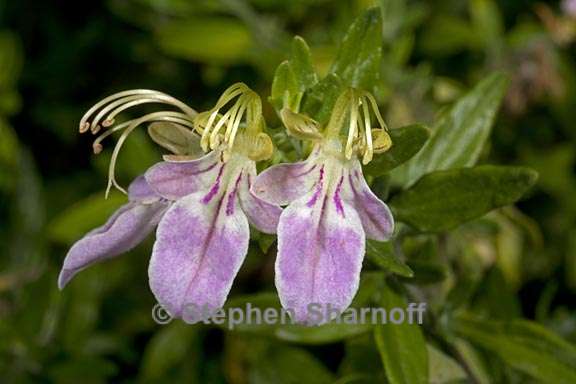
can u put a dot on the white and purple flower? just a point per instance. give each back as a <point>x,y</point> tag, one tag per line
<point>202,208</point>
<point>331,209</point>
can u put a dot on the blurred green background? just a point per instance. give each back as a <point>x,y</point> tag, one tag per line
<point>57,58</point>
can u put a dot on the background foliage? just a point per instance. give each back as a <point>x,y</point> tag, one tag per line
<point>495,83</point>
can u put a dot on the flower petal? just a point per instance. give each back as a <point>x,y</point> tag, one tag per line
<point>375,215</point>
<point>125,229</point>
<point>261,214</point>
<point>175,179</point>
<point>321,246</point>
<point>139,191</point>
<point>200,245</point>
<point>283,183</point>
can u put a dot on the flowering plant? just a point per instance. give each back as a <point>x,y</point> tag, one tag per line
<point>309,190</point>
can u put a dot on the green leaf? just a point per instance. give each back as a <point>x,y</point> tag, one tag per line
<point>445,199</point>
<point>360,53</point>
<point>301,63</point>
<point>293,77</point>
<point>92,369</point>
<point>406,142</point>
<point>84,216</point>
<point>166,350</point>
<point>402,346</point>
<point>9,148</point>
<point>10,59</point>
<point>361,362</point>
<point>261,301</point>
<point>459,134</point>
<point>212,39</point>
<point>443,368</point>
<point>488,23</point>
<point>473,359</point>
<point>446,34</point>
<point>321,98</point>
<point>426,272</point>
<point>285,88</point>
<point>525,346</point>
<point>384,256</point>
<point>287,365</point>
<point>323,334</point>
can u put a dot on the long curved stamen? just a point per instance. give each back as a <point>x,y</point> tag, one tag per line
<point>247,106</point>
<point>237,111</point>
<point>354,106</point>
<point>156,116</point>
<point>233,91</point>
<point>353,129</point>
<point>173,117</point>
<point>104,113</point>
<point>112,105</point>
<point>115,110</point>
<point>369,151</point>
<point>213,140</point>
<point>230,135</point>
<point>377,112</point>
<point>85,125</point>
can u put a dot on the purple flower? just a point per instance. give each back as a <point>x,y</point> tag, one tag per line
<point>202,239</point>
<point>331,209</point>
<point>124,230</point>
<point>202,208</point>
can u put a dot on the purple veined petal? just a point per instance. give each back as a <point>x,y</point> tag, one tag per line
<point>139,191</point>
<point>261,214</point>
<point>321,246</point>
<point>125,229</point>
<point>283,183</point>
<point>200,245</point>
<point>375,215</point>
<point>175,179</point>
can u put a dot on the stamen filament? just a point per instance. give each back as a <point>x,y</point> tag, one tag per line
<point>133,124</point>
<point>352,130</point>
<point>218,126</point>
<point>230,136</point>
<point>84,125</point>
<point>369,151</point>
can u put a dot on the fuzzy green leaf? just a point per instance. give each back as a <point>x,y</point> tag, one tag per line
<point>445,199</point>
<point>459,134</point>
<point>525,346</point>
<point>402,346</point>
<point>285,89</point>
<point>293,77</point>
<point>406,142</point>
<point>360,53</point>
<point>301,63</point>
<point>321,98</point>
<point>383,255</point>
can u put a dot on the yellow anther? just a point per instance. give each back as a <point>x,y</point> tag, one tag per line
<point>382,140</point>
